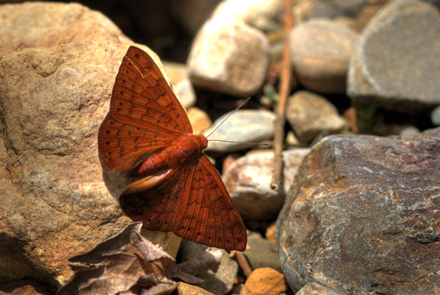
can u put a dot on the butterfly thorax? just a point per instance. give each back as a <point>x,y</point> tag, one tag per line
<point>185,150</point>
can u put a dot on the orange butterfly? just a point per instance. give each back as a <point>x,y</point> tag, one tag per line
<point>148,133</point>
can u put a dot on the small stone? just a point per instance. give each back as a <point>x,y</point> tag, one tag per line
<point>187,289</point>
<point>175,71</point>
<point>265,281</point>
<point>25,287</point>
<point>291,140</point>
<point>332,9</point>
<point>262,14</point>
<point>200,121</point>
<point>183,89</point>
<point>230,158</point>
<point>320,51</point>
<point>220,282</point>
<point>185,93</point>
<point>409,132</point>
<point>230,58</point>
<point>395,63</point>
<point>243,126</point>
<point>237,289</point>
<point>261,252</point>
<point>248,183</point>
<point>435,116</point>
<point>310,114</point>
<point>270,232</point>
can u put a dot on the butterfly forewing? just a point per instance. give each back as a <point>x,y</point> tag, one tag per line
<point>141,89</point>
<point>122,146</point>
<point>144,117</point>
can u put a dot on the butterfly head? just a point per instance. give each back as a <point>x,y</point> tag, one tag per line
<point>203,141</point>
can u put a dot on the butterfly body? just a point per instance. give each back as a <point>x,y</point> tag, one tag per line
<point>186,149</point>
<point>177,188</point>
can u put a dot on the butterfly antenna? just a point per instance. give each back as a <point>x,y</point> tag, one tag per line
<point>240,142</point>
<point>230,114</point>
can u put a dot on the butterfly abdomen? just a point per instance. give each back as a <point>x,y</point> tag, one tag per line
<point>187,149</point>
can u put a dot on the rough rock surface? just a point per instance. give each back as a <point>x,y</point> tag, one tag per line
<point>317,289</point>
<point>363,216</point>
<point>57,69</point>
<point>395,63</point>
<point>248,183</point>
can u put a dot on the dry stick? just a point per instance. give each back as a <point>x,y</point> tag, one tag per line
<point>243,263</point>
<point>285,78</point>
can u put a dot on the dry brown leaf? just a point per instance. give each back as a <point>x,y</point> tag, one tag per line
<point>130,264</point>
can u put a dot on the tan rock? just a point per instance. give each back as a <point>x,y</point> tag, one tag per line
<point>200,120</point>
<point>187,289</point>
<point>265,281</point>
<point>182,86</point>
<point>230,58</point>
<point>270,233</point>
<point>310,114</point>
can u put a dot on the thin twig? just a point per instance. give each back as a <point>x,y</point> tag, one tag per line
<point>242,262</point>
<point>285,79</point>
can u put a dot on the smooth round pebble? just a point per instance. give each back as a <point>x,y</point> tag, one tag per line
<point>320,51</point>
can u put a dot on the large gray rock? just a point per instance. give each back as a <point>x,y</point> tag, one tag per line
<point>396,61</point>
<point>317,289</point>
<point>363,216</point>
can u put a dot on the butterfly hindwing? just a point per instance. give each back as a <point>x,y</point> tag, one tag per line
<point>194,204</point>
<point>156,206</point>
<point>206,214</point>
